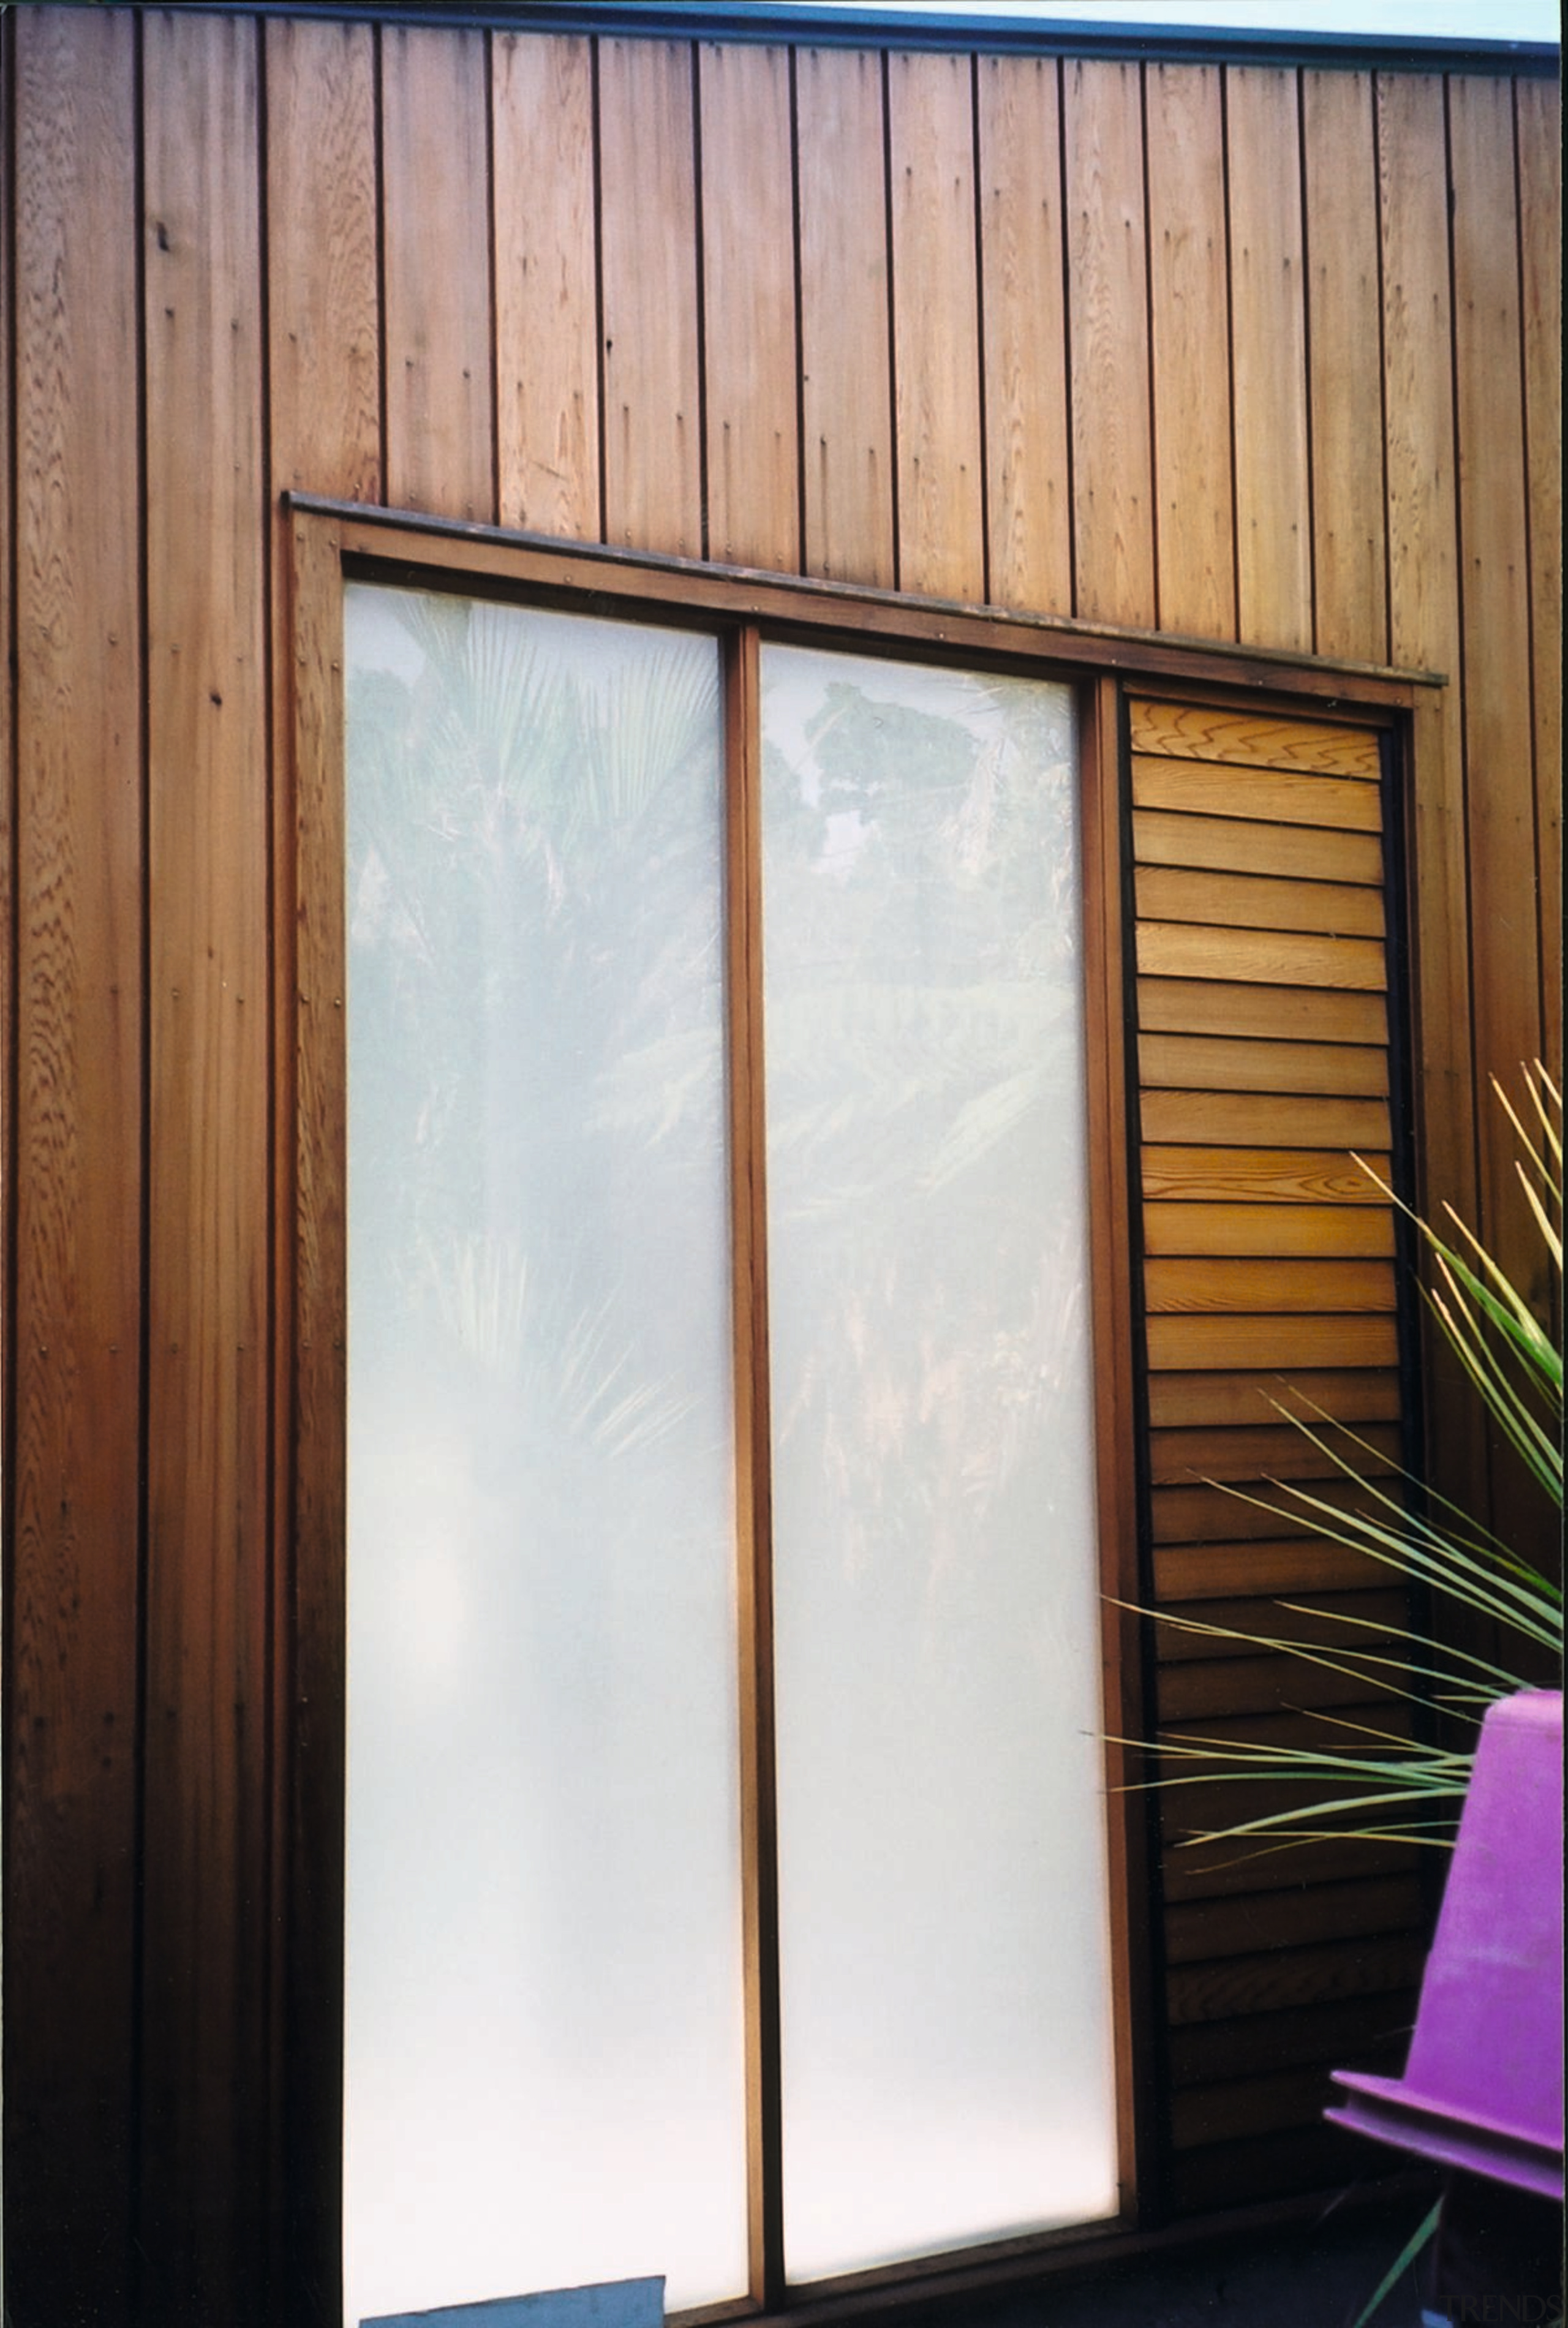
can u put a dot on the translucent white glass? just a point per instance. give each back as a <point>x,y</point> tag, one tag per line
<point>544,2050</point>
<point>945,1980</point>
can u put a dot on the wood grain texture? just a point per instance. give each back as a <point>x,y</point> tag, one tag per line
<point>205,1824</point>
<point>749,307</point>
<point>436,265</point>
<point>1266,2040</point>
<point>1177,1285</point>
<point>1307,1564</point>
<point>1350,555</point>
<point>847,391</point>
<point>648,238</point>
<point>1189,305</point>
<point>1331,803</point>
<point>1269,357</point>
<point>547,335</point>
<point>1322,1619</point>
<point>324,338</point>
<point>1538,106</point>
<point>1237,845</point>
<point>1108,327</point>
<point>1289,1343</point>
<point>1243,901</point>
<point>1276,1451</point>
<point>1250,1399</point>
<point>1028,512</point>
<point>1272,1175</point>
<point>1294,1014</point>
<point>1251,739</point>
<point>1339,1230</point>
<point>1241,1927</point>
<point>1203,1515</point>
<point>936,326</point>
<point>74,1520</point>
<point>1213,1870</point>
<point>1243,1693</point>
<point>1260,957</point>
<point>1215,1062</point>
<point>1240,2108</point>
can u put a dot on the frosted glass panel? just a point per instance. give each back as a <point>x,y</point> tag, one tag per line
<point>544,2063</point>
<point>945,1997</point>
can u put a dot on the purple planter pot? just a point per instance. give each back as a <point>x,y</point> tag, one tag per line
<point>1483,2087</point>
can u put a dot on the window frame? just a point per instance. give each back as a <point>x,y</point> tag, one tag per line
<point>327,544</point>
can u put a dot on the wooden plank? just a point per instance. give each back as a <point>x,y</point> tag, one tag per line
<point>1348,545</point>
<point>206,1815</point>
<point>1308,1014</point>
<point>1269,357</point>
<point>435,264</point>
<point>1236,1344</point>
<point>1194,789</point>
<point>1179,1401</point>
<point>1245,2108</point>
<point>1204,1515</point>
<point>1028,511</point>
<point>1193,1697</point>
<point>1253,739</point>
<point>1341,1231</point>
<point>1242,1118</point>
<point>1276,1451</point>
<point>1538,107</point>
<point>545,267</point>
<point>1108,329</point>
<point>1229,844</point>
<point>1217,1063</point>
<point>1273,1176</point>
<point>1375,1908</point>
<point>1217,1870</point>
<point>847,391</point>
<point>1337,2032</point>
<point>648,233</point>
<point>323,337</point>
<point>1260,957</point>
<point>1312,1618</point>
<point>1266,2166</point>
<point>74,1518</point>
<point>1267,1284</point>
<point>1169,893</point>
<point>1500,804</point>
<point>748,278</point>
<point>936,361</point>
<point>1199,1571</point>
<point>1189,307</point>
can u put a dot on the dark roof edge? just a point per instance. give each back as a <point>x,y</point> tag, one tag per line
<point>799,22</point>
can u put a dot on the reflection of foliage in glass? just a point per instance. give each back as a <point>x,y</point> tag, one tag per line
<point>924,1076</point>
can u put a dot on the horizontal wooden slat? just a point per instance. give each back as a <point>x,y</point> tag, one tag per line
<point>1250,901</point>
<point>1279,1452</point>
<point>1221,1063</point>
<point>1278,1978</point>
<point>1227,2111</point>
<point>1271,1176</point>
<point>1223,1871</point>
<point>1186,1345</point>
<point>1261,1119</point>
<point>1310,1617</point>
<point>1225,844</point>
<point>1177,1401</point>
<point>1251,739</point>
<point>1379,1714</point>
<point>1190,1697</point>
<point>1201,1514</point>
<point>1339,1230</point>
<point>1319,802</point>
<point>1308,1014</point>
<point>1206,1931</point>
<point>1278,1565</point>
<point>1263,1286</point>
<point>1261,957</point>
<point>1264,2041</point>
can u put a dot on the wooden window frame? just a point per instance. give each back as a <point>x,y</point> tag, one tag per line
<point>327,544</point>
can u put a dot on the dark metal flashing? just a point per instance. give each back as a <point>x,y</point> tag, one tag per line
<point>803,24</point>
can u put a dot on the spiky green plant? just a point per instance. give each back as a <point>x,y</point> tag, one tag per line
<point>1362,1780</point>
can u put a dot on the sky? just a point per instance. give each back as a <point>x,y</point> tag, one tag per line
<point>1497,20</point>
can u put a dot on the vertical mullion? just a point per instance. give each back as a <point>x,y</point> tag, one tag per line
<point>754,1484</point>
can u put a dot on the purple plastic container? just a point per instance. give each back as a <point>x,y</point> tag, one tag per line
<point>1483,2087</point>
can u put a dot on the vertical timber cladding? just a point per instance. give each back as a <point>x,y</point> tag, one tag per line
<point>1268,1269</point>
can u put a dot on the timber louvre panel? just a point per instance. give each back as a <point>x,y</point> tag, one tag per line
<point>1237,1303</point>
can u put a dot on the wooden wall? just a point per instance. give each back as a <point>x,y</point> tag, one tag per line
<point>1257,354</point>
